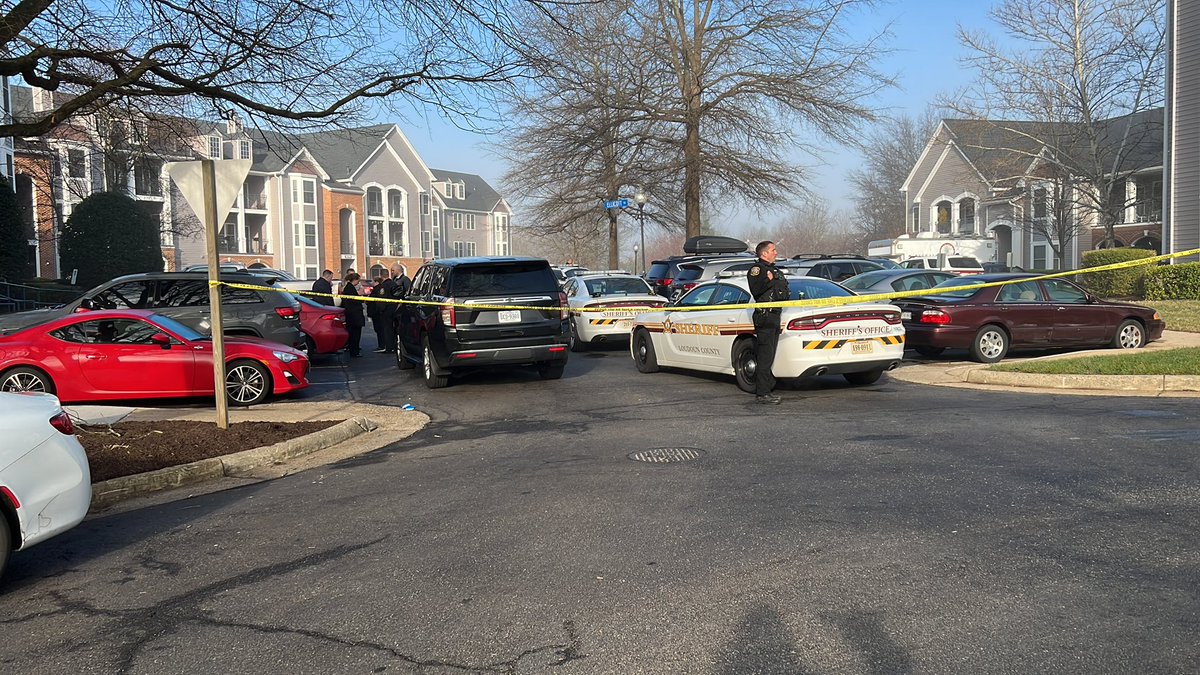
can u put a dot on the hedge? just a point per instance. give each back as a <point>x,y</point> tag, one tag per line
<point>1115,283</point>
<point>1173,282</point>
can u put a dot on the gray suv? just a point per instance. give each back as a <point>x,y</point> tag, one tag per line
<point>183,296</point>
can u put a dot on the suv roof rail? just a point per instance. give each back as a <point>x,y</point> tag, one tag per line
<point>589,273</point>
<point>823,256</point>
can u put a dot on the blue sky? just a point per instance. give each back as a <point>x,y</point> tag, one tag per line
<point>925,62</point>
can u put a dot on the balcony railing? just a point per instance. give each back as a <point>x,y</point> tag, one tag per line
<point>375,247</point>
<point>348,247</point>
<point>396,249</point>
<point>229,243</point>
<point>257,201</point>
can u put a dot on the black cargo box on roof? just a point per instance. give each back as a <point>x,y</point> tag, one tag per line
<point>712,244</point>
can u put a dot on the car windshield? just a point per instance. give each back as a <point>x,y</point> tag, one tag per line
<point>965,263</point>
<point>866,280</point>
<point>617,286</point>
<point>811,288</point>
<point>958,281</point>
<point>308,301</point>
<point>185,332</point>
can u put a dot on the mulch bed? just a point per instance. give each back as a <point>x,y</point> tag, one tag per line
<point>127,448</point>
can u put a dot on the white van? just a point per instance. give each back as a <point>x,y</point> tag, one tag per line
<point>952,263</point>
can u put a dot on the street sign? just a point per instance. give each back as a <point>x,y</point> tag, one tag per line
<point>616,204</point>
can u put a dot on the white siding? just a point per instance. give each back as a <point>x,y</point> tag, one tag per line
<point>1184,131</point>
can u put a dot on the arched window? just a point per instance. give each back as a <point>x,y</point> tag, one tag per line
<point>1149,243</point>
<point>943,216</point>
<point>377,270</point>
<point>1115,243</point>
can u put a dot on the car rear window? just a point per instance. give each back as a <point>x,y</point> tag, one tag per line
<point>688,272</point>
<point>658,270</point>
<point>958,281</point>
<point>968,263</point>
<point>617,286</point>
<point>809,288</point>
<point>506,278</point>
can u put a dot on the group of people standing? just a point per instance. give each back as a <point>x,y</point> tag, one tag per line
<point>395,286</point>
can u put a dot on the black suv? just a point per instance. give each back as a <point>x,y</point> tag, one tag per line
<point>662,273</point>
<point>183,296</point>
<point>444,339</point>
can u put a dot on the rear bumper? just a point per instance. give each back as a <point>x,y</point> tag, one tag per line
<point>948,336</point>
<point>466,358</point>
<point>53,483</point>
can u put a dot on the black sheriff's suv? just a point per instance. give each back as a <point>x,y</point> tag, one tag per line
<point>455,336</point>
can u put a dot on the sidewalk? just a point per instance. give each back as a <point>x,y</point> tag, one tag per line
<point>970,375</point>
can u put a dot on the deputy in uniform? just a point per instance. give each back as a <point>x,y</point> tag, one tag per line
<point>767,284</point>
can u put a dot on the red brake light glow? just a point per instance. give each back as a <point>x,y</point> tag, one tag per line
<point>448,313</point>
<point>287,312</point>
<point>564,309</point>
<point>935,316</point>
<point>62,422</point>
<point>821,320</point>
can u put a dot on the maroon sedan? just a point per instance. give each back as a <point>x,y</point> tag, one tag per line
<point>1024,313</point>
<point>324,326</point>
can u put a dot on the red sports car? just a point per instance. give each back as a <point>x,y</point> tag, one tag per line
<point>324,326</point>
<point>132,354</point>
<point>1037,314</point>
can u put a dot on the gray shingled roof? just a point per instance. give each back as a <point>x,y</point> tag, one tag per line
<point>479,195</point>
<point>342,151</point>
<point>1002,150</point>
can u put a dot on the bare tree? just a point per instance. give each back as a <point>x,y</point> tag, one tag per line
<point>577,136</point>
<point>1074,95</point>
<point>278,59</point>
<point>748,78</point>
<point>890,150</point>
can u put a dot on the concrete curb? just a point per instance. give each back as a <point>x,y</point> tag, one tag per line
<point>109,492</point>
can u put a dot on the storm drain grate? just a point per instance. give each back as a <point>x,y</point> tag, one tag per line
<point>666,455</point>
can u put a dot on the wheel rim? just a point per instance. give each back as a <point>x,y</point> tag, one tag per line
<point>1131,337</point>
<point>428,363</point>
<point>747,365</point>
<point>245,384</point>
<point>991,344</point>
<point>641,349</point>
<point>23,382</point>
<point>572,337</point>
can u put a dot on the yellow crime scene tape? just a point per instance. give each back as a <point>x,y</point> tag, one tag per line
<point>821,302</point>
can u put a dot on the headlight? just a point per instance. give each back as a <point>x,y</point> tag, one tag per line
<point>286,357</point>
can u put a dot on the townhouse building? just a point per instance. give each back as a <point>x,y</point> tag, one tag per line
<point>1182,210</point>
<point>340,199</point>
<point>991,179</point>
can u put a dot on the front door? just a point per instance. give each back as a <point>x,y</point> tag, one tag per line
<point>119,358</point>
<point>1076,321</point>
<point>1029,318</point>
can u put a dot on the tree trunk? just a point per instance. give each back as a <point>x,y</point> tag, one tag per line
<point>613,253</point>
<point>692,166</point>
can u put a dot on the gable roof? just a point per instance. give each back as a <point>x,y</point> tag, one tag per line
<point>342,151</point>
<point>479,195</point>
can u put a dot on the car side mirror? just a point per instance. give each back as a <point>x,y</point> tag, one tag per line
<point>1091,299</point>
<point>86,304</point>
<point>161,339</point>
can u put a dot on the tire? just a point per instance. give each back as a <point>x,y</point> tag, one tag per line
<point>745,363</point>
<point>576,344</point>
<point>25,378</point>
<point>864,378</point>
<point>551,371</point>
<point>310,346</point>
<point>643,352</point>
<point>1130,335</point>
<point>5,544</point>
<point>247,382</point>
<point>930,351</point>
<point>434,378</point>
<point>402,361</point>
<point>990,344</point>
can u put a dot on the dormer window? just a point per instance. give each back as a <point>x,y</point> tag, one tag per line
<point>214,147</point>
<point>244,149</point>
<point>449,189</point>
<point>462,190</point>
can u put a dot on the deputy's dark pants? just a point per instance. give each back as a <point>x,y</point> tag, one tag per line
<point>387,328</point>
<point>766,333</point>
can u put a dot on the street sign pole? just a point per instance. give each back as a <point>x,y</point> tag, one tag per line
<point>209,177</point>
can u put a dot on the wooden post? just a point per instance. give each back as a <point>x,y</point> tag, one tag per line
<point>209,173</point>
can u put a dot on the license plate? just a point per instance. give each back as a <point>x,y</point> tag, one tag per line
<point>905,316</point>
<point>509,316</point>
<point>862,347</point>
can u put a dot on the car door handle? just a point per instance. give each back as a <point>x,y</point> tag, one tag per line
<point>94,357</point>
<point>731,319</point>
<point>1062,309</point>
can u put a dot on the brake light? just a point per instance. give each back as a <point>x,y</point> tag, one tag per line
<point>687,286</point>
<point>564,310</point>
<point>62,422</point>
<point>892,318</point>
<point>809,323</point>
<point>935,316</point>
<point>12,499</point>
<point>340,318</point>
<point>448,313</point>
<point>287,312</point>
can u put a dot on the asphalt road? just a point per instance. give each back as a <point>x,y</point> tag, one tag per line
<point>886,529</point>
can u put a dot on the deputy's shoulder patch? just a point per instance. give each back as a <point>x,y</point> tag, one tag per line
<point>755,271</point>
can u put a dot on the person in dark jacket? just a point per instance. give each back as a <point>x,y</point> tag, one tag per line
<point>324,285</point>
<point>398,287</point>
<point>380,314</point>
<point>767,284</point>
<point>354,313</point>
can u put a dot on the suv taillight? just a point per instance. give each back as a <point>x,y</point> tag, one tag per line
<point>62,422</point>
<point>564,309</point>
<point>287,312</point>
<point>448,313</point>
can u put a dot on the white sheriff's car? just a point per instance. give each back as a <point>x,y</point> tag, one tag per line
<point>857,341</point>
<point>620,295</point>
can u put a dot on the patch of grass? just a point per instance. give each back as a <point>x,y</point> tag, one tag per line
<point>1165,362</point>
<point>1179,314</point>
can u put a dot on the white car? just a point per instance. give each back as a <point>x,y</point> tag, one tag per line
<point>45,482</point>
<point>622,297</point>
<point>857,341</point>
<point>956,263</point>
